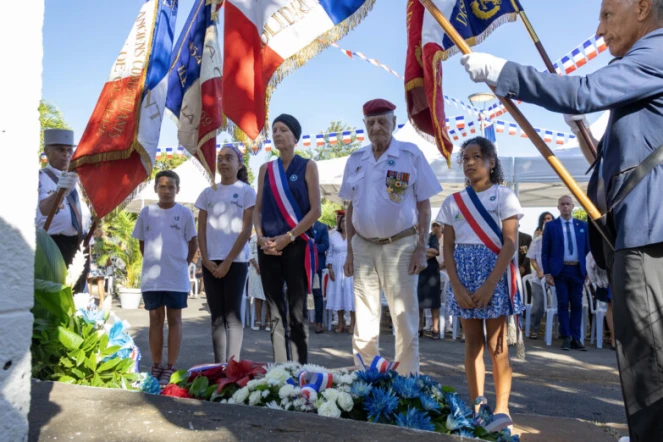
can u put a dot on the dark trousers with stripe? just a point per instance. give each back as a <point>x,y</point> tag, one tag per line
<point>637,301</point>
<point>68,246</point>
<point>287,306</point>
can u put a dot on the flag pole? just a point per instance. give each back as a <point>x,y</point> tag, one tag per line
<point>525,125</point>
<point>583,131</point>
<point>54,208</point>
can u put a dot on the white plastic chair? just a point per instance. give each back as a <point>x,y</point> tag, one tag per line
<point>551,310</point>
<point>528,300</point>
<point>598,311</point>
<point>192,278</point>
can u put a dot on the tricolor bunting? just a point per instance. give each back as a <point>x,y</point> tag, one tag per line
<point>265,40</point>
<point>118,147</point>
<point>194,84</point>
<point>306,140</point>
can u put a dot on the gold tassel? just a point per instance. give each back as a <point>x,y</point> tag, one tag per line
<point>511,334</point>
<point>520,346</point>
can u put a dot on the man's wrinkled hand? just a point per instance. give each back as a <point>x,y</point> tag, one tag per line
<point>418,262</point>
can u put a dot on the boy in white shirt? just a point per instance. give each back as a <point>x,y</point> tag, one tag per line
<point>167,236</point>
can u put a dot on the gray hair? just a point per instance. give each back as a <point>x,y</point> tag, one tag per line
<point>657,5</point>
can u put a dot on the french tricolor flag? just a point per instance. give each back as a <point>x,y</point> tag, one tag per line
<point>169,152</point>
<point>306,140</point>
<point>268,145</point>
<point>523,134</point>
<point>557,69</point>
<point>180,151</point>
<point>119,145</point>
<point>500,110</point>
<point>568,65</point>
<point>454,134</point>
<point>590,50</point>
<point>472,127</point>
<point>600,44</point>
<point>548,137</point>
<point>460,122</point>
<point>319,140</point>
<point>333,139</point>
<point>44,159</point>
<point>360,134</point>
<point>578,58</point>
<point>513,128</point>
<point>560,138</point>
<point>260,35</point>
<point>499,127</point>
<point>347,137</point>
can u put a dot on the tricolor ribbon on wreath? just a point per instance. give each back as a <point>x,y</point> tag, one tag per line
<point>379,363</point>
<point>291,214</point>
<point>490,234</point>
<point>312,383</point>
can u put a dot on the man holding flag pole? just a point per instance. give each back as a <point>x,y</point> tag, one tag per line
<point>626,182</point>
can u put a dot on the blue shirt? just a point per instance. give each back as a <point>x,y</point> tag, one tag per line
<point>567,226</point>
<point>632,89</point>
<point>321,237</point>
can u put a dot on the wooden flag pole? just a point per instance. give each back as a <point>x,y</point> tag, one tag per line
<point>525,125</point>
<point>583,132</point>
<point>58,200</point>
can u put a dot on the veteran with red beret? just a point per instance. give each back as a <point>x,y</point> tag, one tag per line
<point>388,185</point>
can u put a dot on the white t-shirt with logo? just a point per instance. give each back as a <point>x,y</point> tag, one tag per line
<point>500,202</point>
<point>225,208</point>
<point>166,233</point>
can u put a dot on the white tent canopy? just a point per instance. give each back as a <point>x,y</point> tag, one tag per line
<point>534,180</point>
<point>192,183</point>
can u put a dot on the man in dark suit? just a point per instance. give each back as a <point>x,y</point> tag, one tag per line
<point>524,241</point>
<point>321,238</point>
<point>563,250</point>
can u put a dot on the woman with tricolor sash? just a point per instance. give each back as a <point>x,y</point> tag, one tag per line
<point>480,237</point>
<point>288,204</point>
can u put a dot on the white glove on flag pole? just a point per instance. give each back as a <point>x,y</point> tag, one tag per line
<point>483,68</point>
<point>67,181</point>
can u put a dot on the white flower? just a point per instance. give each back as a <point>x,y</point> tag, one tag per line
<point>329,409</point>
<point>254,397</point>
<point>265,393</point>
<point>253,383</point>
<point>240,395</point>
<point>278,375</point>
<point>286,404</point>
<point>299,403</point>
<point>312,368</point>
<point>77,266</point>
<point>231,401</point>
<point>82,301</point>
<point>273,405</point>
<point>331,394</point>
<point>286,391</point>
<point>345,401</point>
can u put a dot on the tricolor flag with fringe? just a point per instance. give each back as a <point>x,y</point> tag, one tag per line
<point>265,40</point>
<point>194,84</point>
<point>118,148</point>
<point>423,77</point>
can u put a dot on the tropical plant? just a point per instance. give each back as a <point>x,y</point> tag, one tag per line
<point>122,249</point>
<point>329,209</point>
<point>50,117</point>
<point>580,214</point>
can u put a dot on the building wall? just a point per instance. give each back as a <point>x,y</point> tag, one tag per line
<point>20,91</point>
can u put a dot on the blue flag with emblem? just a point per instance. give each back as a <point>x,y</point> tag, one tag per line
<point>475,19</point>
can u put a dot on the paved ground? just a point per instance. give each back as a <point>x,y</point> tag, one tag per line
<point>549,383</point>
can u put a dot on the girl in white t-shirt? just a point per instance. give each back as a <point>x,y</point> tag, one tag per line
<point>478,275</point>
<point>224,228</point>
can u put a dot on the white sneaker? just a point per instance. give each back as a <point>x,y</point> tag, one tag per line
<point>625,439</point>
<point>254,328</point>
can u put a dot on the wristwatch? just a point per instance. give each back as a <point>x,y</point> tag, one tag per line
<point>292,237</point>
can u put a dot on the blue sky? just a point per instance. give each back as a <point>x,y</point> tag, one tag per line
<point>82,39</point>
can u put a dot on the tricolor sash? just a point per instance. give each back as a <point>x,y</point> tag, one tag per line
<point>489,233</point>
<point>289,211</point>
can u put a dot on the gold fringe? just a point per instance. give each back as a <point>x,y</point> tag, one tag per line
<point>473,41</point>
<point>440,132</point>
<point>201,158</point>
<point>314,48</point>
<point>414,83</point>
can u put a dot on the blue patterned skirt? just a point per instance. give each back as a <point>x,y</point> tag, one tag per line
<point>474,262</point>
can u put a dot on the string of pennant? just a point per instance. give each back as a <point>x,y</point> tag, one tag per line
<point>462,129</point>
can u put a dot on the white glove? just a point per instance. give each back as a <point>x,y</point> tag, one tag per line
<point>596,275</point>
<point>572,119</point>
<point>67,181</point>
<point>483,68</point>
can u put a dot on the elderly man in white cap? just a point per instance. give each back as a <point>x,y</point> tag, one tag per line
<point>72,218</point>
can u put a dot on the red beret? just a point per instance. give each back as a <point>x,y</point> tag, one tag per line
<point>340,212</point>
<point>378,106</point>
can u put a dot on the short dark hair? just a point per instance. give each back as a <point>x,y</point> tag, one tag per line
<point>167,174</point>
<point>339,226</point>
<point>488,151</point>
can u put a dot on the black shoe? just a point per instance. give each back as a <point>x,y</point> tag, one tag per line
<point>435,336</point>
<point>566,346</point>
<point>577,345</point>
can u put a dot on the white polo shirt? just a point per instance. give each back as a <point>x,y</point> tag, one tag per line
<point>385,192</point>
<point>61,224</point>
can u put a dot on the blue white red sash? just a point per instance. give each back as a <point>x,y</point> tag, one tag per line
<point>291,214</point>
<point>489,233</point>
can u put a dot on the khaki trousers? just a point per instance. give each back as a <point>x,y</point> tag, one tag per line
<point>385,267</point>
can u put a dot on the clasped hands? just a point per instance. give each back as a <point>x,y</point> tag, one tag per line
<point>478,299</point>
<point>273,246</point>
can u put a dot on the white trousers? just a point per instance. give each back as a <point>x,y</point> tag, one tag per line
<point>385,267</point>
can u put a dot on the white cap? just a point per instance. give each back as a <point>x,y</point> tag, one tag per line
<point>59,136</point>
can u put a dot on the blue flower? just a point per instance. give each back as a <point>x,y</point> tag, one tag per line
<point>406,388</point>
<point>118,336</point>
<point>484,416</point>
<point>468,434</point>
<point>455,404</point>
<point>505,436</point>
<point>371,376</point>
<point>457,419</point>
<point>360,389</point>
<point>150,385</point>
<point>429,404</point>
<point>413,418</point>
<point>426,381</point>
<point>380,404</point>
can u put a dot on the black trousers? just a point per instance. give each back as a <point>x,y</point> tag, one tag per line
<point>637,300</point>
<point>68,246</point>
<point>224,297</point>
<point>287,306</point>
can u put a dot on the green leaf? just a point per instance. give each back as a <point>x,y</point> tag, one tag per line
<point>446,389</point>
<point>199,386</point>
<point>65,362</point>
<point>78,356</point>
<point>79,374</point>
<point>90,342</point>
<point>109,364</point>
<point>53,299</point>
<point>49,264</point>
<point>179,377</point>
<point>103,342</point>
<point>67,379</point>
<point>109,350</point>
<point>69,339</point>
<point>97,382</point>
<point>91,362</point>
<point>209,392</point>
<point>125,366</point>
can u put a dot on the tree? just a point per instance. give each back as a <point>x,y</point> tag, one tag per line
<point>330,151</point>
<point>50,117</point>
<point>580,214</point>
<point>329,209</point>
<point>168,164</point>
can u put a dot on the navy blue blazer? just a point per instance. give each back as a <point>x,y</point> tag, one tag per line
<point>552,246</point>
<point>321,238</point>
<point>632,89</point>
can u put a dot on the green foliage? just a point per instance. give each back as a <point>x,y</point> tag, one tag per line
<point>52,297</point>
<point>168,164</point>
<point>580,214</point>
<point>74,351</point>
<point>339,150</point>
<point>122,249</point>
<point>50,117</point>
<point>329,209</point>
